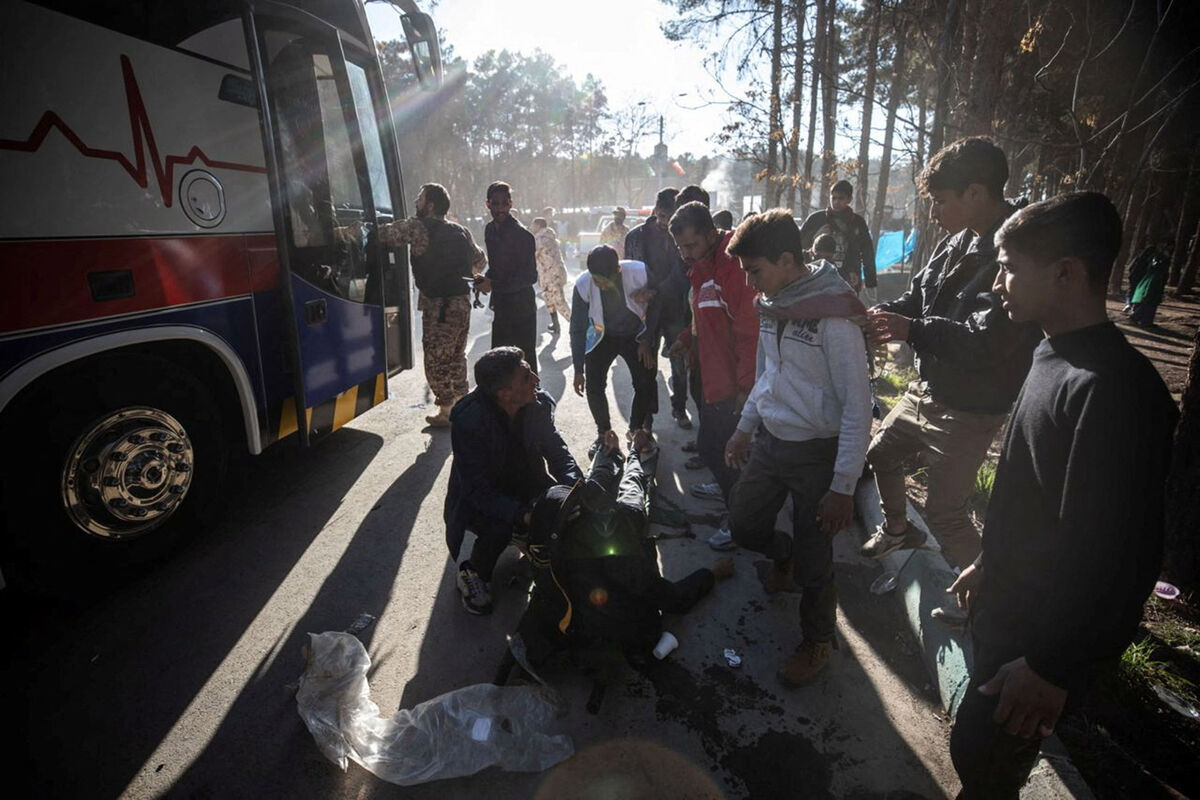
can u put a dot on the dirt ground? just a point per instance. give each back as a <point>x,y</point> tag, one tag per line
<point>1168,343</point>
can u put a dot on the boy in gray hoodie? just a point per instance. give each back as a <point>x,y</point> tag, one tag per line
<point>811,409</point>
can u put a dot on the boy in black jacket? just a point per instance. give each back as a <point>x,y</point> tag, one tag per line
<point>1073,540</point>
<point>970,356</point>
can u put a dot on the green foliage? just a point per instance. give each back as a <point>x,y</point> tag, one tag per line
<point>1170,628</point>
<point>890,384</point>
<point>1140,669</point>
<point>984,480</point>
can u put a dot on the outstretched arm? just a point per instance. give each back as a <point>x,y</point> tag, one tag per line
<point>405,231</point>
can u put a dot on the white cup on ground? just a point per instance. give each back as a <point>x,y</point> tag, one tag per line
<point>666,643</point>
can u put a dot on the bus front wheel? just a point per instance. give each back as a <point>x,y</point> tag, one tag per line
<point>128,464</point>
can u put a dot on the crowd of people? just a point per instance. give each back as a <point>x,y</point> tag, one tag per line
<point>765,327</point>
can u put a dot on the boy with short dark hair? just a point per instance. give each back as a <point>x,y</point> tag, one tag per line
<point>824,247</point>
<point>1073,540</point>
<point>811,410</point>
<point>607,322</point>
<point>970,356</point>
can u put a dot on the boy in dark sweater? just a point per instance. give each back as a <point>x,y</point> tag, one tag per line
<point>1073,540</point>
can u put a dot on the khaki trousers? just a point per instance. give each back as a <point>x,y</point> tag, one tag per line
<point>952,445</point>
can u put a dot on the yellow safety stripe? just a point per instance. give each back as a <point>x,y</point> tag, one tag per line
<point>343,410</point>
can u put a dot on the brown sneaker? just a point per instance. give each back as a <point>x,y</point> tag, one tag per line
<point>779,577</point>
<point>805,664</point>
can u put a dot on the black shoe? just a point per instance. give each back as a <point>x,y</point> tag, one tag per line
<point>595,447</point>
<point>476,598</point>
<point>681,419</point>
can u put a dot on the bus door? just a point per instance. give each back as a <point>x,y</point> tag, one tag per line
<point>334,180</point>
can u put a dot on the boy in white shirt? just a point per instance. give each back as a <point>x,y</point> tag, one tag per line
<point>811,409</point>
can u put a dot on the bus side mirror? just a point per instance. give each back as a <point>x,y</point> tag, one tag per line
<point>422,38</point>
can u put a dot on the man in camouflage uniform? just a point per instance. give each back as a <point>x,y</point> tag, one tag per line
<point>445,259</point>
<point>614,233</point>
<point>552,272</point>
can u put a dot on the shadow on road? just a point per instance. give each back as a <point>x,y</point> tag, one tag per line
<point>100,703</point>
<point>264,716</point>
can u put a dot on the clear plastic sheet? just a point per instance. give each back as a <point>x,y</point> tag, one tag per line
<point>455,734</point>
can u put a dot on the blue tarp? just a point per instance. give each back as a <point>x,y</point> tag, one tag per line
<point>892,249</point>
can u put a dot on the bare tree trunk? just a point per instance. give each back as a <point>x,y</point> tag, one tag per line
<point>818,59</point>
<point>921,221</point>
<point>864,141</point>
<point>1188,279</point>
<point>1156,217</point>
<point>988,66</point>
<point>1132,244</point>
<point>970,43</point>
<point>829,165</point>
<point>1182,545</point>
<point>941,108</point>
<point>775,134</point>
<point>1179,251</point>
<point>797,93</point>
<point>895,93</point>
<point>922,119</point>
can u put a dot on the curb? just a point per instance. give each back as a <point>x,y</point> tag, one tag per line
<point>922,577</point>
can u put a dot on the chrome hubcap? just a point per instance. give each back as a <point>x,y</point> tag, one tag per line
<point>127,473</point>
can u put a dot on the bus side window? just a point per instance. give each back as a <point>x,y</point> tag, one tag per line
<point>381,193</point>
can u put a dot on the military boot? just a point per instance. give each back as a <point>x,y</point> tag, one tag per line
<point>805,664</point>
<point>442,418</point>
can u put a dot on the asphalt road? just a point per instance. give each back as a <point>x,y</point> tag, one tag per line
<point>181,682</point>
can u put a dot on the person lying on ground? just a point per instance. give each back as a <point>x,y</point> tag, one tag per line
<point>596,574</point>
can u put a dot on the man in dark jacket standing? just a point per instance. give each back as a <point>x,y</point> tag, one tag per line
<point>512,272</point>
<point>971,357</point>
<point>855,255</point>
<point>506,453</point>
<point>1074,534</point>
<point>667,309</point>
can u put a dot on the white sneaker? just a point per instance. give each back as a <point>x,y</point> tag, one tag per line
<point>708,491</point>
<point>722,540</point>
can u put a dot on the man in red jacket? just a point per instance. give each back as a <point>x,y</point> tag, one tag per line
<point>726,333</point>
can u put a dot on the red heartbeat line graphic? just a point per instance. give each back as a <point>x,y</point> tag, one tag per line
<point>141,131</point>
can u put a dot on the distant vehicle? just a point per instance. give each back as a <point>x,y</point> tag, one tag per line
<point>633,218</point>
<point>187,228</point>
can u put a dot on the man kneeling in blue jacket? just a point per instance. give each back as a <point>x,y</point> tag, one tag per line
<point>506,453</point>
